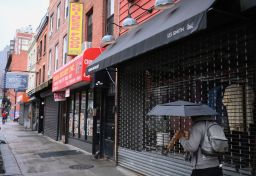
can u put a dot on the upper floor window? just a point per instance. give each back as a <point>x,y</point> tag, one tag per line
<point>51,24</point>
<point>40,49</point>
<point>58,17</point>
<point>56,57</point>
<point>39,77</point>
<point>66,9</point>
<point>50,63</point>
<point>110,16</point>
<point>64,54</point>
<point>89,27</point>
<point>44,43</point>
<point>43,74</point>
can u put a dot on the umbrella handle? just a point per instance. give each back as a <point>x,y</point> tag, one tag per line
<point>171,143</point>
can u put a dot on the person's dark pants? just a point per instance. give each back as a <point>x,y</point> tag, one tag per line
<point>212,171</point>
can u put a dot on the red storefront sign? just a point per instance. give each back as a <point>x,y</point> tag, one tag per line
<point>59,96</point>
<point>74,71</point>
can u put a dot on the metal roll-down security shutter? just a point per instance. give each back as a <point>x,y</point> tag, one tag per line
<point>21,118</point>
<point>50,117</point>
<point>25,115</point>
<point>210,69</point>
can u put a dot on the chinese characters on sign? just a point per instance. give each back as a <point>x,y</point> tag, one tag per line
<point>74,71</point>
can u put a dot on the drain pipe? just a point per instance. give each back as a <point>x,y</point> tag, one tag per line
<point>116,115</point>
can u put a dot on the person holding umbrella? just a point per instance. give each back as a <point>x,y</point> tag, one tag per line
<point>203,165</point>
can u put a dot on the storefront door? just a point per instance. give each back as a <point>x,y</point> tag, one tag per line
<point>109,127</point>
<point>62,121</point>
<point>41,117</point>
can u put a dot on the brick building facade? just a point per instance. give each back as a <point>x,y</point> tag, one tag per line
<point>18,64</point>
<point>42,44</point>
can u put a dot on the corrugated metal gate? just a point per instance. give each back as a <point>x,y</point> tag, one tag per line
<point>26,122</point>
<point>217,68</point>
<point>51,117</point>
<point>21,117</point>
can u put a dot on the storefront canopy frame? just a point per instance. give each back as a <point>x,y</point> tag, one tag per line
<point>164,28</point>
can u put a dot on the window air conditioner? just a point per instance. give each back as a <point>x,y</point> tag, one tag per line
<point>49,73</point>
<point>86,45</point>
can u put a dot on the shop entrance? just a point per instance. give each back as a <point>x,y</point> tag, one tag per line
<point>109,126</point>
<point>62,121</point>
<point>41,117</point>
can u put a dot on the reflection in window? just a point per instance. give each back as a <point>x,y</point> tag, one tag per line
<point>71,105</point>
<point>76,117</point>
<point>82,115</point>
<point>90,117</point>
<point>89,27</point>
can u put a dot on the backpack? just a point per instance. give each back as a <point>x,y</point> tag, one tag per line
<point>214,142</point>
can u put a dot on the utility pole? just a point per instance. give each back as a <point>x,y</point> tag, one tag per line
<point>4,101</point>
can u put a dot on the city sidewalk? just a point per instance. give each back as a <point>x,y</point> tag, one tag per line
<point>29,153</point>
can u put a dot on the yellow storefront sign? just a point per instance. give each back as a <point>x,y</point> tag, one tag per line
<point>75,29</point>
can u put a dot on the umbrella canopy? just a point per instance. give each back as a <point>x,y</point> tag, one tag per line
<point>182,109</point>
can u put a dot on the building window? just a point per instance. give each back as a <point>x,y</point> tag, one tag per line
<point>81,115</point>
<point>89,27</point>
<point>64,54</point>
<point>110,17</point>
<point>66,9</point>
<point>77,114</point>
<point>50,64</point>
<point>44,43</point>
<point>38,53</point>
<point>40,49</point>
<point>39,77</point>
<point>56,57</point>
<point>43,74</point>
<point>24,44</point>
<point>51,24</point>
<point>71,117</point>
<point>58,17</point>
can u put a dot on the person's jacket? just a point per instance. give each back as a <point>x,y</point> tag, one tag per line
<point>198,160</point>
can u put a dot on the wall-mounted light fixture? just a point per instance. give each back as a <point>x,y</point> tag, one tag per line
<point>130,22</point>
<point>108,39</point>
<point>166,4</point>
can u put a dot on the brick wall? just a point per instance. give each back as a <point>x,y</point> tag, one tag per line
<point>57,36</point>
<point>99,20</point>
<point>139,14</point>
<point>42,56</point>
<point>19,61</point>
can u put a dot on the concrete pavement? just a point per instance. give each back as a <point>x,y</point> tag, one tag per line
<point>31,154</point>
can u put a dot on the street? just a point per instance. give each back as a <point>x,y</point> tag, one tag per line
<point>29,153</point>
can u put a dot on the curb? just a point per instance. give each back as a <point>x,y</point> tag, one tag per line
<point>10,164</point>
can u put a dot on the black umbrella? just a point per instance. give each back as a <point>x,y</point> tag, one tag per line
<point>182,109</point>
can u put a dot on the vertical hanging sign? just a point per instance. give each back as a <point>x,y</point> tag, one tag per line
<point>75,29</point>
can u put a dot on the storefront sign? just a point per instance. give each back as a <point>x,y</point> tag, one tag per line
<point>74,71</point>
<point>23,98</point>
<point>59,96</point>
<point>67,93</point>
<point>15,80</point>
<point>75,29</point>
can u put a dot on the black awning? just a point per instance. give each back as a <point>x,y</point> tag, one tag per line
<point>162,29</point>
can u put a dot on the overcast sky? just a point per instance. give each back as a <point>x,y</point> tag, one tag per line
<point>15,14</point>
